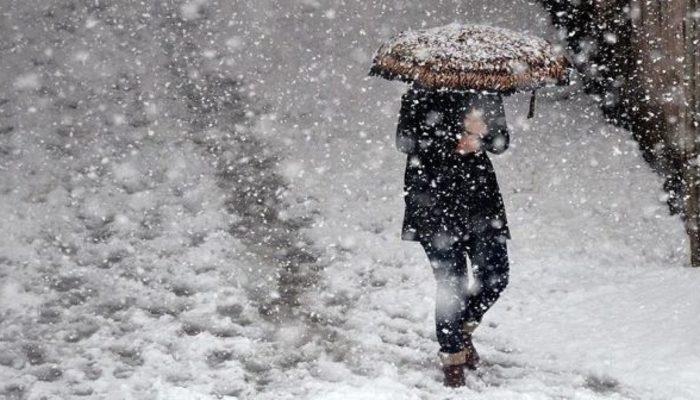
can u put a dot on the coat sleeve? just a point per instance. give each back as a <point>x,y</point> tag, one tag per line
<point>497,137</point>
<point>409,121</point>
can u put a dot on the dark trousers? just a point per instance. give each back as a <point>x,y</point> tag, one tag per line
<point>458,302</point>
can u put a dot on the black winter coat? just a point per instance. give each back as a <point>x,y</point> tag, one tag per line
<point>450,196</point>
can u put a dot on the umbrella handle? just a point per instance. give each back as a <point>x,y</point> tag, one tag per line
<point>531,112</point>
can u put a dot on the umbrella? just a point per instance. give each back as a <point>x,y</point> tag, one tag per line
<point>471,57</point>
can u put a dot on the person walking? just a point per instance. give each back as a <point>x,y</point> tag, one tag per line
<point>454,209</point>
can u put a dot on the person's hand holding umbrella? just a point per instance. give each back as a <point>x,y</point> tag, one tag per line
<point>474,130</point>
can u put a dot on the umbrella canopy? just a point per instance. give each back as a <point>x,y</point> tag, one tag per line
<point>475,57</point>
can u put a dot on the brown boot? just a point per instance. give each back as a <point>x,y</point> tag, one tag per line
<point>453,368</point>
<point>472,357</point>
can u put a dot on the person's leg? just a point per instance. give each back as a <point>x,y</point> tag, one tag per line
<point>489,260</point>
<point>449,268</point>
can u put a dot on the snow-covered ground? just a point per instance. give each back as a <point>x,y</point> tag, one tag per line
<point>151,246</point>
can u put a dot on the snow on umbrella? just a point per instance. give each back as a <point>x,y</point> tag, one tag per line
<point>471,57</point>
